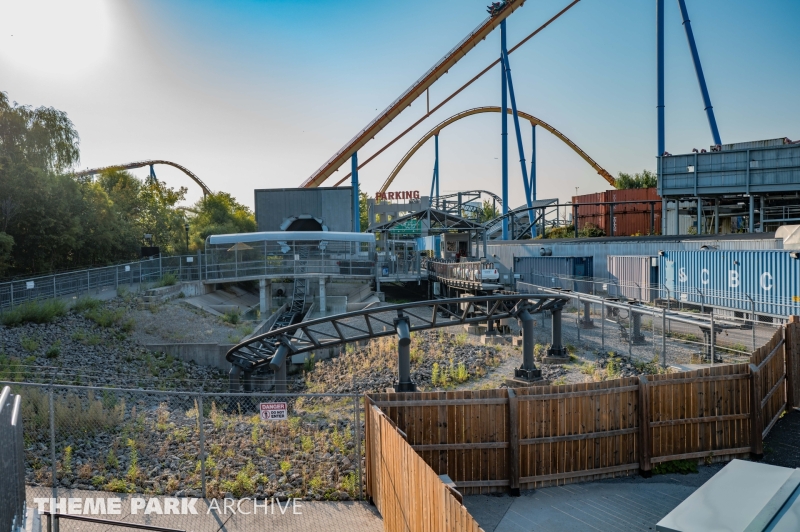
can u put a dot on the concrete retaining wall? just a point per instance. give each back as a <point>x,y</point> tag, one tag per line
<point>210,355</point>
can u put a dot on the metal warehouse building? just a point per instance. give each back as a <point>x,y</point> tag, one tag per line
<point>304,209</point>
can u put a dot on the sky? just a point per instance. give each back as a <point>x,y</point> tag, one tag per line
<point>253,94</point>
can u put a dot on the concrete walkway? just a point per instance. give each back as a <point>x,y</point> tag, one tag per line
<point>631,503</point>
<point>307,516</point>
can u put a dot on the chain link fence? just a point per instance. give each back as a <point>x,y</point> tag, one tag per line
<point>187,444</point>
<point>132,276</point>
<point>638,336</point>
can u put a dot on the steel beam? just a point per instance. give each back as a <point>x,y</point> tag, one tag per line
<point>528,370</point>
<point>356,198</point>
<point>701,80</point>
<point>518,132</point>
<point>660,75</point>
<point>504,129</point>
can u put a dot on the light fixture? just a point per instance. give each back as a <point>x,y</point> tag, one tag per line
<point>661,253</point>
<point>794,255</point>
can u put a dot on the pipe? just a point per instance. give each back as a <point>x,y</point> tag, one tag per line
<point>533,162</point>
<point>687,25</point>
<point>404,383</point>
<point>504,130</point>
<point>528,340</point>
<point>556,347</point>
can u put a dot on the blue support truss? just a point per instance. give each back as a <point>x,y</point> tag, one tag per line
<point>520,149</point>
<point>504,129</point>
<point>356,196</point>
<point>660,75</point>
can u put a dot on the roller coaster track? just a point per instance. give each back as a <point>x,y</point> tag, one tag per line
<point>272,348</point>
<point>478,110</point>
<point>141,164</point>
<point>411,94</point>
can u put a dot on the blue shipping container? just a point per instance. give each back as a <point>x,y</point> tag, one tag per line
<point>768,281</point>
<point>556,272</point>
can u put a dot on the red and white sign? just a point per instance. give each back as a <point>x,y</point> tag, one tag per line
<point>402,195</point>
<point>273,411</point>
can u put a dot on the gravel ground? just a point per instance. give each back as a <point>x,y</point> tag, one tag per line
<point>175,322</point>
<point>782,445</point>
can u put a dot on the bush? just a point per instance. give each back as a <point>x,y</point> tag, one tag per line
<point>82,304</point>
<point>232,317</point>
<point>54,350</point>
<point>105,317</point>
<point>35,312</point>
<point>168,279</point>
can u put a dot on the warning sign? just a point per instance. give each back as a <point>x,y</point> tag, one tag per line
<point>273,411</point>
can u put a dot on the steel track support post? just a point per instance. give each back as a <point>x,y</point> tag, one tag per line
<point>504,130</point>
<point>660,76</point>
<point>528,370</point>
<point>356,198</point>
<point>586,322</point>
<point>234,378</point>
<point>698,68</point>
<point>556,347</point>
<point>520,149</point>
<point>436,164</point>
<point>533,164</point>
<point>403,325</point>
<point>280,379</point>
<point>636,328</point>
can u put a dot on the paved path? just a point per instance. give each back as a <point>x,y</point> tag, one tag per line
<point>308,516</point>
<point>633,503</point>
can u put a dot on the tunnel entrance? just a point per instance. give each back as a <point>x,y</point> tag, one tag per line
<point>305,224</point>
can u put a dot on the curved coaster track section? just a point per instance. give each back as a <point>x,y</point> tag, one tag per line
<point>142,164</point>
<point>271,349</point>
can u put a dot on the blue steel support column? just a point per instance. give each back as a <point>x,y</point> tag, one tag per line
<point>712,122</point>
<point>356,198</point>
<point>504,130</point>
<point>660,75</point>
<point>533,162</point>
<point>520,149</point>
<point>436,164</point>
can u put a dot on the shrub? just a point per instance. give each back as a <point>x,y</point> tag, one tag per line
<point>54,350</point>
<point>232,316</point>
<point>285,466</point>
<point>66,462</point>
<point>105,317</point>
<point>435,376</point>
<point>310,363</point>
<point>29,344</point>
<point>11,369</point>
<point>34,312</point>
<point>82,304</point>
<point>168,279</point>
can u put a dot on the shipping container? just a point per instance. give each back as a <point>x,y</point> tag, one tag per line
<point>632,277</point>
<point>555,272</point>
<point>600,248</point>
<point>764,282</point>
<point>628,218</point>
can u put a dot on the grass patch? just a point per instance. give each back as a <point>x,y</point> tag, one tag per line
<point>34,312</point>
<point>54,350</point>
<point>684,467</point>
<point>29,343</point>
<point>85,303</point>
<point>106,317</point>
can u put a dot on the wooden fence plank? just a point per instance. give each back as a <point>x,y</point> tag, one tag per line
<point>514,440</point>
<point>756,419</point>
<point>644,425</point>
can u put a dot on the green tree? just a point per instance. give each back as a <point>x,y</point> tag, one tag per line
<point>44,137</point>
<point>645,179</point>
<point>488,212</point>
<point>363,207</point>
<point>218,214</point>
<point>6,245</point>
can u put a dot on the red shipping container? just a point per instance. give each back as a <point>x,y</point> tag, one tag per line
<point>629,218</point>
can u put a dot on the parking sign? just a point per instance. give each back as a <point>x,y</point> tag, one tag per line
<point>273,411</point>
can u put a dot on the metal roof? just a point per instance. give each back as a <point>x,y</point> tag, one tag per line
<point>280,236</point>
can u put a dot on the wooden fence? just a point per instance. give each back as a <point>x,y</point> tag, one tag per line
<point>409,495</point>
<point>493,440</point>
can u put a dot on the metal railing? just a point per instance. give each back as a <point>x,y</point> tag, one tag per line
<point>732,300</point>
<point>53,522</point>
<point>12,469</point>
<point>76,283</point>
<point>643,334</point>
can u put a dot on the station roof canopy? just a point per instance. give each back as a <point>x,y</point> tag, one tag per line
<point>286,236</point>
<point>440,222</point>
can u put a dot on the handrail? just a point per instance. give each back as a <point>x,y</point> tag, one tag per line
<point>53,516</point>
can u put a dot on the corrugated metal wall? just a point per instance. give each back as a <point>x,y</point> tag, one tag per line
<point>730,279</point>
<point>555,272</point>
<point>629,219</point>
<point>633,277</point>
<point>333,206</point>
<point>754,170</point>
<point>600,249</point>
